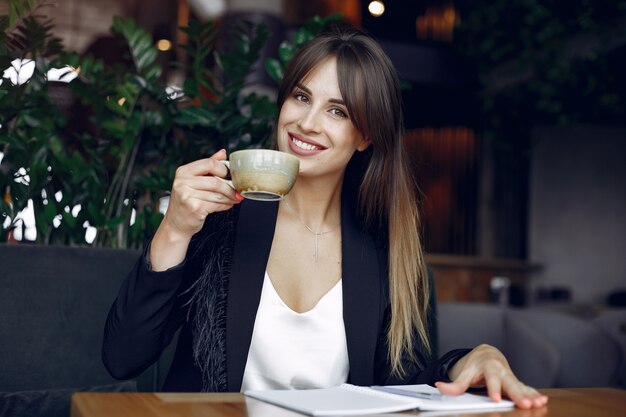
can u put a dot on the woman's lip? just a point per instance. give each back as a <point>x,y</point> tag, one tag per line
<point>297,150</point>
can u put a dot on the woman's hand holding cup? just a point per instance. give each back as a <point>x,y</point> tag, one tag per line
<point>196,193</point>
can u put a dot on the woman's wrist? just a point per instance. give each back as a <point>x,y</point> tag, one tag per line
<point>450,361</point>
<point>454,369</point>
<point>168,247</point>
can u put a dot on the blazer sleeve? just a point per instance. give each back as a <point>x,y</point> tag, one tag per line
<point>142,321</point>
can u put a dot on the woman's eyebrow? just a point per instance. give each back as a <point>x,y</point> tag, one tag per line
<point>309,92</point>
<point>304,88</point>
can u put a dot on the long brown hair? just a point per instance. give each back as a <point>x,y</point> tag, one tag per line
<point>370,88</point>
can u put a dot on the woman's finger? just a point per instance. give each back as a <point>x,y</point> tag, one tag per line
<point>525,396</point>
<point>540,400</point>
<point>459,385</point>
<point>200,203</point>
<point>200,208</point>
<point>212,185</point>
<point>519,393</point>
<point>493,381</point>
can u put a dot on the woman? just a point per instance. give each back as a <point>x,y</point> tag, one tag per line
<point>327,286</point>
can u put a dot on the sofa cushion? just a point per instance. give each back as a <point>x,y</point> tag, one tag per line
<point>53,304</point>
<point>52,402</point>
<point>588,356</point>
<point>466,325</point>
<point>532,357</point>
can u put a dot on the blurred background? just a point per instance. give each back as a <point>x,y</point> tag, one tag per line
<point>516,123</point>
<point>515,115</point>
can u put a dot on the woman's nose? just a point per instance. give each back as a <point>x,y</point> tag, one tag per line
<point>310,121</point>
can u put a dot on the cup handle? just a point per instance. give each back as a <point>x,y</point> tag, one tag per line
<point>224,180</point>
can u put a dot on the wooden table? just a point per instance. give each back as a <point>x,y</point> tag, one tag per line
<point>574,402</point>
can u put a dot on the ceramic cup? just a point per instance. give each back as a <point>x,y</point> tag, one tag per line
<point>262,174</point>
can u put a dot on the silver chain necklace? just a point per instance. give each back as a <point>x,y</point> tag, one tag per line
<point>315,234</point>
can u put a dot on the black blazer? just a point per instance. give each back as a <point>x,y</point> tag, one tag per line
<point>362,290</point>
<point>145,315</point>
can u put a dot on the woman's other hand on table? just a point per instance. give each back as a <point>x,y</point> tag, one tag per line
<point>486,366</point>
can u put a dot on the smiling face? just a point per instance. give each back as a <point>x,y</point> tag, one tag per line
<point>315,126</point>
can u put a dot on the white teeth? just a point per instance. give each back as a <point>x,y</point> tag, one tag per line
<point>304,145</point>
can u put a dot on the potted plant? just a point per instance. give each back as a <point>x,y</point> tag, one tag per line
<point>116,165</point>
<point>104,160</point>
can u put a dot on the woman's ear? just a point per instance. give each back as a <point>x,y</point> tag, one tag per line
<point>365,143</point>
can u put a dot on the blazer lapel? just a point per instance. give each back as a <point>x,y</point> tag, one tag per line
<point>361,297</point>
<point>253,241</point>
<point>361,286</point>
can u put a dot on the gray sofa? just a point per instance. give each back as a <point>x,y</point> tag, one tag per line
<point>545,348</point>
<point>53,306</point>
<point>54,302</point>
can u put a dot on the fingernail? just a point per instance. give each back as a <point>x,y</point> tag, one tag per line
<point>239,197</point>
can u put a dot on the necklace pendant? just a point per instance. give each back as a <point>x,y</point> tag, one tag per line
<point>316,256</point>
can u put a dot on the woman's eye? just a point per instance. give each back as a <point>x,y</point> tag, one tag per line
<point>301,97</point>
<point>339,113</point>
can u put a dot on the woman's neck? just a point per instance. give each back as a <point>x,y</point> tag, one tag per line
<point>316,204</point>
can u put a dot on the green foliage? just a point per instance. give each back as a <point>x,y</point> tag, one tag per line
<point>104,148</point>
<point>276,67</point>
<point>545,62</point>
<point>17,10</point>
<point>115,151</point>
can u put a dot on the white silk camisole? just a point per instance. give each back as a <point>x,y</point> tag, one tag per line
<point>291,350</point>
